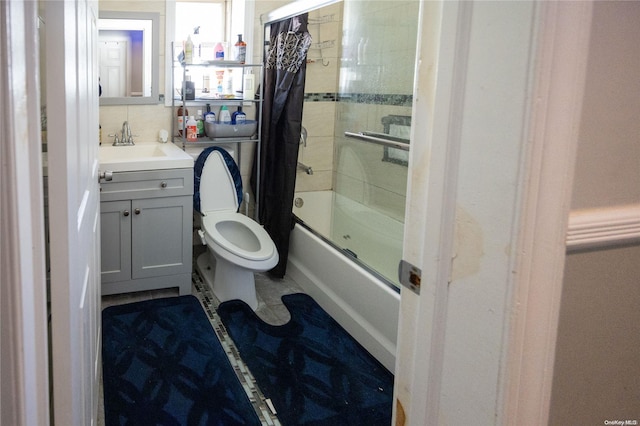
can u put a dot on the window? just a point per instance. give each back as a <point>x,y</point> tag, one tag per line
<point>204,22</point>
<point>208,19</point>
<point>216,20</point>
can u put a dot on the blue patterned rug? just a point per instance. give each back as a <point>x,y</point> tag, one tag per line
<point>313,371</point>
<point>163,365</point>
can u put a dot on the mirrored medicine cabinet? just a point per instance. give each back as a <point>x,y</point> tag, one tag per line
<point>128,57</point>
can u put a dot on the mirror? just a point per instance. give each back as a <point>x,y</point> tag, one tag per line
<point>128,57</point>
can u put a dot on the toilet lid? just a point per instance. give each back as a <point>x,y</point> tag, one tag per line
<point>239,235</point>
<point>217,181</point>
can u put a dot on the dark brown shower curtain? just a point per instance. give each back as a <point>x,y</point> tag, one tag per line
<point>284,77</point>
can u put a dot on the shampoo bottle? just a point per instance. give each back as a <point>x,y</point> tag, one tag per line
<point>192,129</point>
<point>238,117</point>
<point>209,116</point>
<point>224,116</point>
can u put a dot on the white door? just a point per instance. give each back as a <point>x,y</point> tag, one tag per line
<point>72,101</point>
<point>24,373</point>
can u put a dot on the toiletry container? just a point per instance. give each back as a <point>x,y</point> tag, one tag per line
<point>238,117</point>
<point>227,83</point>
<point>189,89</point>
<point>219,79</point>
<point>209,116</point>
<point>192,129</point>
<point>219,52</point>
<point>183,114</point>
<point>248,88</point>
<point>200,123</point>
<point>240,50</point>
<point>224,116</point>
<point>188,51</point>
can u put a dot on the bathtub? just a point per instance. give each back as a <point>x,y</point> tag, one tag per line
<point>361,300</point>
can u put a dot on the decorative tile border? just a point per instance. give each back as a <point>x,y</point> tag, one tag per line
<point>320,97</point>
<point>257,399</point>
<point>361,98</point>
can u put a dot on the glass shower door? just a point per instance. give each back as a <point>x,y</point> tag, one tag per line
<point>373,122</point>
<point>358,99</point>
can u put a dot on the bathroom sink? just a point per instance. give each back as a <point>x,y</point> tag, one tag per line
<point>143,156</point>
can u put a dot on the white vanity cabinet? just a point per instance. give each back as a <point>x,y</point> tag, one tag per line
<point>146,230</point>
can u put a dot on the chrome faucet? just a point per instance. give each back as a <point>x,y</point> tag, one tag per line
<point>125,137</point>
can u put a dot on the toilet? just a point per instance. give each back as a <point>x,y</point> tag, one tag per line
<point>237,246</point>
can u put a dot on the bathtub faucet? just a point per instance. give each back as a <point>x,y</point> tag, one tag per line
<point>307,169</point>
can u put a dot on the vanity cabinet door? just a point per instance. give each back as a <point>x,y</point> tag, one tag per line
<point>115,240</point>
<point>161,236</point>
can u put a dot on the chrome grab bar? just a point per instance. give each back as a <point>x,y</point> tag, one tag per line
<point>380,139</point>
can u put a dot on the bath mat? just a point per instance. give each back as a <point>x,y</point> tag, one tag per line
<point>163,365</point>
<point>313,371</point>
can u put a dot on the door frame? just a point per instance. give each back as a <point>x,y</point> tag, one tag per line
<point>560,75</point>
<point>557,66</point>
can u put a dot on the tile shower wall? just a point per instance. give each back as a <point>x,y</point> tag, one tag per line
<point>360,69</point>
<point>376,80</point>
<point>323,60</point>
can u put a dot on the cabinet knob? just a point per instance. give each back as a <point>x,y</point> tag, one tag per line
<point>137,211</point>
<point>126,213</point>
<point>163,184</point>
<point>106,175</point>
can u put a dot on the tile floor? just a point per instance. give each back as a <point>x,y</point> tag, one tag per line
<point>270,309</point>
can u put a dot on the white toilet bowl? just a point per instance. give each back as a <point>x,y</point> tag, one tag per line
<point>237,245</point>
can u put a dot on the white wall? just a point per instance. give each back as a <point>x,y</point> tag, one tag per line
<point>597,373</point>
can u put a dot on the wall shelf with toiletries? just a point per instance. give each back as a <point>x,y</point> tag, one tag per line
<point>221,98</point>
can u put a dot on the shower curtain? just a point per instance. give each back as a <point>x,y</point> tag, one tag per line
<point>284,77</point>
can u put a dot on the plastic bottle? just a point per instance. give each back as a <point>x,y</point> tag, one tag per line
<point>192,129</point>
<point>219,52</point>
<point>240,50</point>
<point>219,79</point>
<point>248,88</point>
<point>209,116</point>
<point>227,83</point>
<point>224,116</point>
<point>200,123</point>
<point>189,89</point>
<point>188,51</point>
<point>183,113</point>
<point>238,117</point>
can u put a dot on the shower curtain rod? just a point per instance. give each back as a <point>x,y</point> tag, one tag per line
<point>293,9</point>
